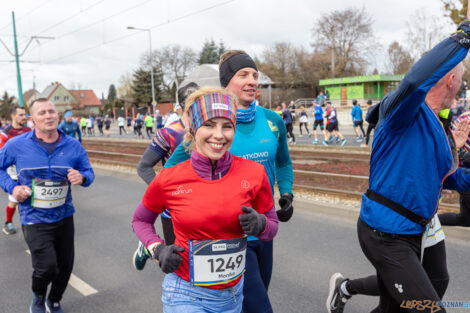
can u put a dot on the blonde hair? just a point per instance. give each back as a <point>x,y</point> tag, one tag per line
<point>188,140</point>
<point>226,55</point>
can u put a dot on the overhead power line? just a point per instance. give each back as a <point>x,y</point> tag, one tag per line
<point>27,13</point>
<point>133,34</point>
<point>102,20</point>
<point>71,16</point>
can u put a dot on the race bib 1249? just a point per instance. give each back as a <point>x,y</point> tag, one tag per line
<point>215,262</point>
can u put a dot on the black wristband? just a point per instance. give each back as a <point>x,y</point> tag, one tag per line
<point>462,25</point>
<point>461,36</point>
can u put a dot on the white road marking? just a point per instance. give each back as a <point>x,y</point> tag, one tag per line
<point>77,283</point>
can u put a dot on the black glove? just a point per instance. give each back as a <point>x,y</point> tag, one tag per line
<point>252,222</point>
<point>168,257</point>
<point>285,212</point>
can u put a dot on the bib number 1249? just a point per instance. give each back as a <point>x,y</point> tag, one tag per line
<point>215,262</point>
<point>221,265</point>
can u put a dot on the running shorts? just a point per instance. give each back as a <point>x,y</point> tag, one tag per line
<point>332,126</point>
<point>318,123</point>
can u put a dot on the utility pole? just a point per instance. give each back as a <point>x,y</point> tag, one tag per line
<point>17,57</point>
<point>17,60</point>
<point>154,103</point>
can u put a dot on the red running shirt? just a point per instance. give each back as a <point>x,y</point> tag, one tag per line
<point>208,209</point>
<point>11,132</point>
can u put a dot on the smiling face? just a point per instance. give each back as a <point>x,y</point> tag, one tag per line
<point>244,85</point>
<point>45,116</point>
<point>214,138</point>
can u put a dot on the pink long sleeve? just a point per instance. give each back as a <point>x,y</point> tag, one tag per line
<point>142,223</point>
<point>271,226</point>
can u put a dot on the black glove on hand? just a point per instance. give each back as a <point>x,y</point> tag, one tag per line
<point>168,257</point>
<point>285,212</point>
<point>252,222</point>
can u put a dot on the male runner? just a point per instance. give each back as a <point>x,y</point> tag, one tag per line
<point>70,127</point>
<point>48,162</point>
<point>99,123</point>
<point>260,135</point>
<point>434,256</point>
<point>287,117</point>
<point>356,114</point>
<point>332,126</point>
<point>318,117</point>
<point>83,125</point>
<point>18,120</point>
<point>410,166</point>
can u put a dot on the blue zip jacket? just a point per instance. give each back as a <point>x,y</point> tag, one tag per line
<point>34,162</point>
<point>356,113</point>
<point>412,159</point>
<point>71,129</point>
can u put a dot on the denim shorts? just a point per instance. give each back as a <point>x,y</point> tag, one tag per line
<point>179,295</point>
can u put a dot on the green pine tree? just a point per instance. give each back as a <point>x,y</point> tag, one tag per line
<point>209,53</point>
<point>111,93</point>
<point>142,86</point>
<point>7,104</point>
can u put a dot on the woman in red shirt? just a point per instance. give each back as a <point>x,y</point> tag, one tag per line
<point>215,200</point>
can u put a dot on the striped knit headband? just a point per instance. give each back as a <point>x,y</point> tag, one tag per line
<point>211,105</point>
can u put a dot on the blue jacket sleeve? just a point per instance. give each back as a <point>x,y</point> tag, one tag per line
<point>6,160</point>
<point>179,155</point>
<point>457,181</point>
<point>84,167</point>
<point>400,107</point>
<point>284,171</point>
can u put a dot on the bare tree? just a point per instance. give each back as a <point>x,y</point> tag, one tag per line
<point>347,36</point>
<point>278,62</point>
<point>424,32</point>
<point>399,60</point>
<point>174,61</point>
<point>124,88</point>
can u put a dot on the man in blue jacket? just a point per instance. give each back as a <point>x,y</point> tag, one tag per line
<point>70,127</point>
<point>356,114</point>
<point>413,158</point>
<point>48,162</point>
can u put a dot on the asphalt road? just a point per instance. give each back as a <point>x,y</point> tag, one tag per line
<point>308,250</point>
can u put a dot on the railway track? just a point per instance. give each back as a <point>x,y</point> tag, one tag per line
<point>128,153</point>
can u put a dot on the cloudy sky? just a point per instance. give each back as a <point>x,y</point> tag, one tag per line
<point>92,46</point>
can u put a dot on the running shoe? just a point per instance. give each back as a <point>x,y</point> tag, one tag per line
<point>8,229</point>
<point>343,142</point>
<point>315,142</point>
<point>53,307</point>
<point>359,139</point>
<point>37,305</point>
<point>336,298</point>
<point>336,139</point>
<point>140,257</point>
<point>364,145</point>
<point>325,143</point>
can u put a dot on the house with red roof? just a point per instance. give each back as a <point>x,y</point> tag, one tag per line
<point>81,102</point>
<point>87,101</point>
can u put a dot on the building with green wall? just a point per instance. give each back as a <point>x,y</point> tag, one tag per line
<point>360,87</point>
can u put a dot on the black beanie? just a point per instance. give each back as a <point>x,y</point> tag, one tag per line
<point>232,65</point>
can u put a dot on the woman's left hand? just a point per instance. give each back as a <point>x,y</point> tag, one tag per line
<point>251,221</point>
